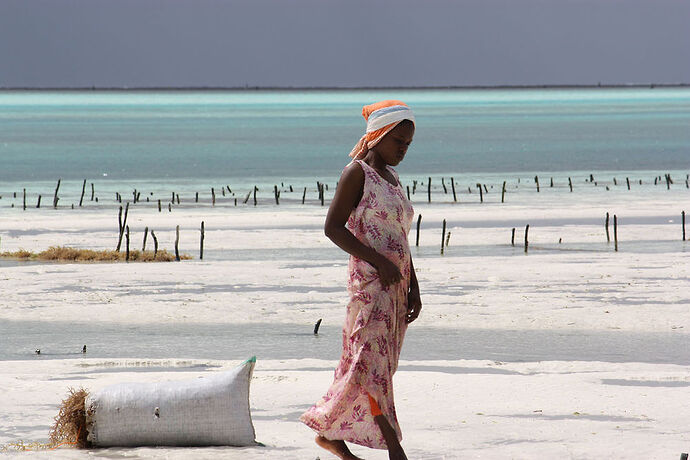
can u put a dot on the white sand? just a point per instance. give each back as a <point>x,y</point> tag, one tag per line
<point>272,265</point>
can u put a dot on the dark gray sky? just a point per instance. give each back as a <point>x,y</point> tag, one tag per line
<point>68,43</point>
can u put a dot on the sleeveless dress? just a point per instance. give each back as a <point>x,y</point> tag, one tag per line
<point>375,320</point>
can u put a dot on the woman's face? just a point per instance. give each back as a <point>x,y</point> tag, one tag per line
<point>393,147</point>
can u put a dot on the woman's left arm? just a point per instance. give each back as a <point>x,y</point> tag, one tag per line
<point>414,300</point>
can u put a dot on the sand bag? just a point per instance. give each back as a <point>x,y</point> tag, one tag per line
<point>207,411</point>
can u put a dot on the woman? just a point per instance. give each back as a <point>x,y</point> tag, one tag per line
<point>369,218</point>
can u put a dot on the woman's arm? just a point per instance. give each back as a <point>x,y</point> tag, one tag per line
<point>414,299</point>
<point>346,198</point>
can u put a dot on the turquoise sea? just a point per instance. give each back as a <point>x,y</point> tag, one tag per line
<point>268,136</point>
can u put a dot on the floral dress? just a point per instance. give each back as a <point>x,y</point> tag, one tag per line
<point>375,320</point>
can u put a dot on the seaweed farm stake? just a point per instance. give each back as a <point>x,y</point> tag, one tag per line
<point>159,205</point>
<point>682,219</point>
<point>512,237</point>
<point>201,244</point>
<point>24,201</point>
<point>122,225</point>
<point>213,196</point>
<point>570,184</point>
<point>246,198</point>
<point>608,238</point>
<point>615,232</point>
<point>445,189</point>
<point>256,189</point>
<point>316,327</point>
<point>419,221</point>
<point>127,243</point>
<point>408,193</point>
<point>146,233</point>
<point>627,181</point>
<point>429,190</point>
<point>196,197</point>
<point>38,205</point>
<point>93,191</point>
<point>526,242</point>
<point>452,186</point>
<point>503,192</point>
<point>178,198</point>
<point>536,180</point>
<point>177,242</point>
<point>155,244</point>
<point>304,194</point>
<point>83,189</point>
<point>481,193</point>
<point>55,197</point>
<point>552,182</point>
<point>443,236</point>
<point>448,238</point>
<point>276,193</point>
<point>169,207</point>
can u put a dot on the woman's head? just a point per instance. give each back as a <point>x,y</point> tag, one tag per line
<point>382,117</point>
<point>393,146</point>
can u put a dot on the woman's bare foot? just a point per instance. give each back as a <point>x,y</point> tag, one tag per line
<point>337,448</point>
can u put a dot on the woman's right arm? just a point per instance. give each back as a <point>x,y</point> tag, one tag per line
<point>346,198</point>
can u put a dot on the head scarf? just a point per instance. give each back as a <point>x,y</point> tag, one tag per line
<point>381,117</point>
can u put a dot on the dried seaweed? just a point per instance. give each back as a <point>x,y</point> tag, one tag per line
<point>70,423</point>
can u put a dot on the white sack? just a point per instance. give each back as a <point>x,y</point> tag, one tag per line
<point>207,411</point>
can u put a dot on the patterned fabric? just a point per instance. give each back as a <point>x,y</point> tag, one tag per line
<point>375,321</point>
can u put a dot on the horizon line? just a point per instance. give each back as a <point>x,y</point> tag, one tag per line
<point>334,88</point>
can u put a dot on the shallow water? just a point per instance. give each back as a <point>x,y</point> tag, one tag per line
<point>62,340</point>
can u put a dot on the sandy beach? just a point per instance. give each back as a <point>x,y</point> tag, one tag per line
<point>570,350</point>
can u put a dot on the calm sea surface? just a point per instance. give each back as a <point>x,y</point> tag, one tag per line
<point>268,135</point>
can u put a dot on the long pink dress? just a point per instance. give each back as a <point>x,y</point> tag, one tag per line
<point>375,321</point>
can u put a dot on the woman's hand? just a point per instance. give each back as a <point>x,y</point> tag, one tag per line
<point>389,273</point>
<point>414,304</point>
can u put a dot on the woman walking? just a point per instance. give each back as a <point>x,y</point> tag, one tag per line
<point>369,218</point>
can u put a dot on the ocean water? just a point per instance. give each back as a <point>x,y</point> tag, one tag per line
<point>242,137</point>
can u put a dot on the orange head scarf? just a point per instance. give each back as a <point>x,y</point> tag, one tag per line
<point>381,117</point>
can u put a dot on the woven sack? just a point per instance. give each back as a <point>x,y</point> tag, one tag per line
<point>207,411</point>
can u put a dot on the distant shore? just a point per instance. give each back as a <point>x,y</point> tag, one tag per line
<point>348,88</point>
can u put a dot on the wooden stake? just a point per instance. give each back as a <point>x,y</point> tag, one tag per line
<point>503,192</point>
<point>159,205</point>
<point>570,184</point>
<point>552,182</point>
<point>155,244</point>
<point>256,189</point>
<point>615,232</point>
<point>38,205</point>
<point>122,226</point>
<point>512,237</point>
<point>276,193</point>
<point>177,243</point>
<point>443,236</point>
<point>682,215</point>
<point>526,242</point>
<point>93,191</point>
<point>83,189</point>
<point>127,243</point>
<point>481,193</point>
<point>452,186</point>
<point>246,198</point>
<point>443,183</point>
<point>213,196</point>
<point>429,190</point>
<point>169,207</point>
<point>24,201</point>
<point>536,180</point>
<point>627,181</point>
<point>608,237</point>
<point>448,238</point>
<point>55,197</point>
<point>146,234</point>
<point>419,221</point>
<point>201,244</point>
<point>304,194</point>
<point>316,327</point>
